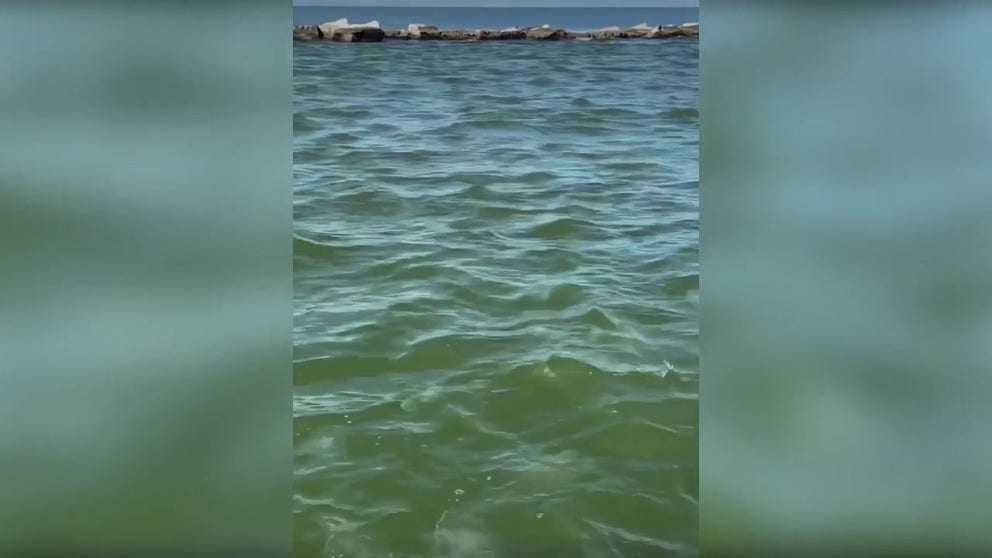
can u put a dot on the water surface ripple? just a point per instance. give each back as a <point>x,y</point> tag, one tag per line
<point>495,299</point>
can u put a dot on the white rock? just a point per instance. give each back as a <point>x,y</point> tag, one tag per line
<point>690,24</point>
<point>331,26</point>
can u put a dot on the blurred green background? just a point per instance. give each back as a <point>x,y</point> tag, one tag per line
<point>846,322</point>
<point>145,292</point>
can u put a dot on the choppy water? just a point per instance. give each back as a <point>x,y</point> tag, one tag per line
<point>496,298</point>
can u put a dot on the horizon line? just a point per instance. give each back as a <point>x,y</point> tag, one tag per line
<point>484,7</point>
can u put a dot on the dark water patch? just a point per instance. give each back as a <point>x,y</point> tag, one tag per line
<point>632,166</point>
<point>586,130</point>
<point>541,81</point>
<point>312,154</point>
<point>681,285</point>
<point>340,113</point>
<point>342,138</point>
<point>382,127</point>
<point>476,125</point>
<point>552,260</point>
<point>370,202</point>
<point>682,114</point>
<point>564,296</point>
<point>418,272</point>
<point>302,123</point>
<point>478,189</point>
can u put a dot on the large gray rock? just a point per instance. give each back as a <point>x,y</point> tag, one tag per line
<point>423,32</point>
<point>546,34</point>
<point>637,32</point>
<point>307,33</point>
<point>358,35</point>
<point>668,33</point>
<point>461,35</point>
<point>505,35</point>
<point>342,31</point>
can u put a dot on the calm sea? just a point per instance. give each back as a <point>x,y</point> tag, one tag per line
<point>496,295</point>
<point>575,19</point>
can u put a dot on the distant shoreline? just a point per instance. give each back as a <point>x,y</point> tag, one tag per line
<point>342,31</point>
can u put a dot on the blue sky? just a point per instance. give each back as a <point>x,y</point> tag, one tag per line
<point>503,3</point>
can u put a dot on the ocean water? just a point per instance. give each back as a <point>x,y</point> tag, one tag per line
<point>496,296</point>
<point>574,19</point>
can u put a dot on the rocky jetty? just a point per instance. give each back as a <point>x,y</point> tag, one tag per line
<point>342,31</point>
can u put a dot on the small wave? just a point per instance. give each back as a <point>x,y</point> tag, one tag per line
<point>341,113</point>
<point>563,228</point>
<point>615,113</point>
<point>600,319</point>
<point>312,249</point>
<point>452,351</point>
<point>321,369</point>
<point>631,439</point>
<point>564,296</point>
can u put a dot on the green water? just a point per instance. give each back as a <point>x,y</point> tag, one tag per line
<point>496,288</point>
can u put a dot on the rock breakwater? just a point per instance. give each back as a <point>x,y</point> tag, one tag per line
<point>345,32</point>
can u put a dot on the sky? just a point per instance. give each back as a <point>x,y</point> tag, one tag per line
<point>503,3</point>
